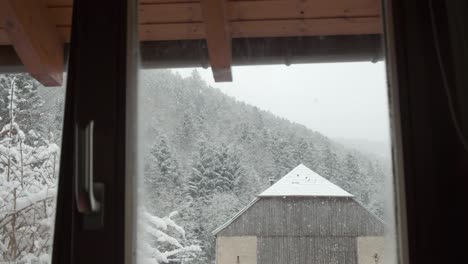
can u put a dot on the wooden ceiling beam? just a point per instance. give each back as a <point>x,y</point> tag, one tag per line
<point>218,38</point>
<point>34,38</point>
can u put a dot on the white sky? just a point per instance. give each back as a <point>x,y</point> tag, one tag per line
<point>340,100</point>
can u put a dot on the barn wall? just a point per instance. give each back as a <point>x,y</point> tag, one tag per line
<point>302,250</point>
<point>236,250</point>
<point>316,217</point>
<point>371,250</point>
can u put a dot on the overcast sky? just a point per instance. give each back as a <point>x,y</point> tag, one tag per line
<point>340,100</point>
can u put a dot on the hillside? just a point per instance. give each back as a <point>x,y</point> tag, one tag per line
<point>208,154</point>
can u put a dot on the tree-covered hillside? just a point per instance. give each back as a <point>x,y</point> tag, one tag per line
<point>208,155</point>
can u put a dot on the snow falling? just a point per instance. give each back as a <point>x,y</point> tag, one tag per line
<point>29,156</point>
<point>207,157</point>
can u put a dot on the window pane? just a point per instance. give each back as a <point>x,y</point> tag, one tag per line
<point>286,164</point>
<point>31,124</point>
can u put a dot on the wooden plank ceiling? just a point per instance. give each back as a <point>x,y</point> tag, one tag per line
<point>220,20</point>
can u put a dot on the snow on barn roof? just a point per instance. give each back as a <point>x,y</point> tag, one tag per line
<point>302,181</point>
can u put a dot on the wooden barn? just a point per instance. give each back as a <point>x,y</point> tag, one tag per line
<point>302,218</point>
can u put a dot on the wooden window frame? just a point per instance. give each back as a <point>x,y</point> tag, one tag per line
<point>100,87</point>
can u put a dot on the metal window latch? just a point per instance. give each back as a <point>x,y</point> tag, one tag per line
<point>89,195</point>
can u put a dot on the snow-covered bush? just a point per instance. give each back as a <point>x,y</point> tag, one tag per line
<point>161,240</point>
<point>28,176</point>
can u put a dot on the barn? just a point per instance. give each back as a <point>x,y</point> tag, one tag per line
<point>302,218</point>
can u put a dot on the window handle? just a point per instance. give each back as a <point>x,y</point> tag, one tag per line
<point>84,180</point>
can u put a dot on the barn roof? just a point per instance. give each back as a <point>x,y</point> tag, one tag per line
<point>302,181</point>
<point>299,182</point>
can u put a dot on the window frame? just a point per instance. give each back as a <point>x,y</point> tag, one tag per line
<point>99,90</point>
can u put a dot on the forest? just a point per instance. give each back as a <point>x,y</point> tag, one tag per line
<point>206,155</point>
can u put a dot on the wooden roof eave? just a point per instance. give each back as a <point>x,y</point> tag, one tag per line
<point>38,43</point>
<point>248,51</point>
<point>35,39</point>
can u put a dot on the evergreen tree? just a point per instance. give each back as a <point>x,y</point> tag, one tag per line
<point>245,133</point>
<point>230,170</point>
<point>187,131</point>
<point>20,100</point>
<point>354,180</point>
<point>163,181</point>
<point>375,188</point>
<point>203,179</point>
<point>305,152</point>
<point>283,158</point>
<point>225,181</point>
<point>329,165</point>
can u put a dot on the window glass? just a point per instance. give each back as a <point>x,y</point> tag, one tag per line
<point>30,133</point>
<point>286,164</point>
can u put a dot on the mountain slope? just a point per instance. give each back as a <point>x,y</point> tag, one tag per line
<point>221,152</point>
<point>186,109</point>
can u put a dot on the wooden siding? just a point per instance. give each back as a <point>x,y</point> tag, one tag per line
<point>302,250</point>
<point>314,217</point>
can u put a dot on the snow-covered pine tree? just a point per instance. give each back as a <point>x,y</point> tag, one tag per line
<point>245,133</point>
<point>202,181</point>
<point>375,188</point>
<point>355,182</point>
<point>229,167</point>
<point>282,151</point>
<point>304,152</point>
<point>163,182</point>
<point>225,180</point>
<point>329,165</point>
<point>186,131</point>
<point>25,105</point>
